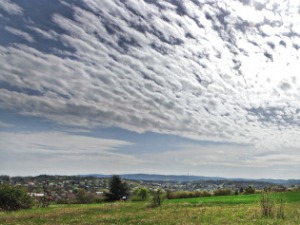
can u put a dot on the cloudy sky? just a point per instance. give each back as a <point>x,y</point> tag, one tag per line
<point>201,87</point>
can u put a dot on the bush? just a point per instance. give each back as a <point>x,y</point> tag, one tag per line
<point>249,190</point>
<point>187,194</point>
<point>98,200</point>
<point>43,202</point>
<point>220,192</point>
<point>140,194</point>
<point>83,197</point>
<point>14,198</point>
<point>158,196</point>
<point>64,201</point>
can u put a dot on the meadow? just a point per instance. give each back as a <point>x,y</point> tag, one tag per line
<point>234,209</point>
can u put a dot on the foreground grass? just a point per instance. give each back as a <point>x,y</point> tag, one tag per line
<point>209,210</point>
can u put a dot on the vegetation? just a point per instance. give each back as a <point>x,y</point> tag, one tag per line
<point>281,206</point>
<point>249,190</point>
<point>266,203</point>
<point>43,201</point>
<point>117,189</point>
<point>220,192</point>
<point>272,204</point>
<point>158,196</point>
<point>14,198</point>
<point>178,207</point>
<point>290,197</point>
<point>140,194</point>
<point>187,194</point>
<point>82,197</point>
<point>233,209</point>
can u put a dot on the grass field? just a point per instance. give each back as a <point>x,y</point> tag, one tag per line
<point>238,199</point>
<point>241,209</point>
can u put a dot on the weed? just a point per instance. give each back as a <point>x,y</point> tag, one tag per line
<point>280,207</point>
<point>266,203</point>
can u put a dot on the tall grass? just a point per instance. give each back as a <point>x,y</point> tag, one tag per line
<point>266,203</point>
<point>272,204</point>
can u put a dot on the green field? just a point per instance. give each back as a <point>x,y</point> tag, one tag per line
<point>238,199</point>
<point>241,209</point>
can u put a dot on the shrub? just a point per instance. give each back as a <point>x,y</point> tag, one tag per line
<point>187,194</point>
<point>249,190</point>
<point>83,197</point>
<point>14,198</point>
<point>158,197</point>
<point>140,194</point>
<point>98,200</point>
<point>64,201</point>
<point>43,202</point>
<point>205,194</point>
<point>220,192</point>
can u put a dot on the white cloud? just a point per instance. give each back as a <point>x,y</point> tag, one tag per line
<point>207,74</point>
<point>10,7</point>
<point>20,33</point>
<point>49,34</point>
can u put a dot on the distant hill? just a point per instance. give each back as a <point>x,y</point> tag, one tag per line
<point>186,178</point>
<point>178,178</point>
<point>280,181</point>
<point>156,177</point>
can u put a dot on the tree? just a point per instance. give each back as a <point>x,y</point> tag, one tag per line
<point>117,189</point>
<point>140,194</point>
<point>4,179</point>
<point>14,198</point>
<point>143,193</point>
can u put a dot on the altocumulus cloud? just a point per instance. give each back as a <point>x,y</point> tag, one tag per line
<point>223,71</point>
<point>10,7</point>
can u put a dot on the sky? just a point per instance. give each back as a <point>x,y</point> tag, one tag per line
<point>198,87</point>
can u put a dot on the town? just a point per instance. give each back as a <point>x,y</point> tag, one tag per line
<point>65,189</point>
